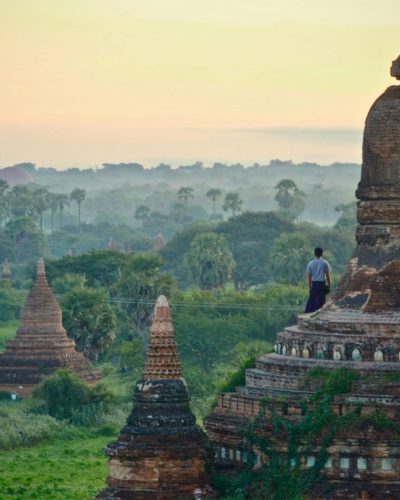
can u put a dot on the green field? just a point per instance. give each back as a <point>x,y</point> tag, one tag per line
<point>64,469</point>
<point>7,332</point>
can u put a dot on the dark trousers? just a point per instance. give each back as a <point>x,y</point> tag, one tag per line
<point>317,296</point>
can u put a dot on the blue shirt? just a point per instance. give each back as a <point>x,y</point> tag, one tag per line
<point>318,268</point>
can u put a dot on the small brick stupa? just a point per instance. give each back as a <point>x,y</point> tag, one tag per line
<point>160,453</point>
<point>41,345</point>
<point>6,271</point>
<point>158,243</point>
<point>358,329</point>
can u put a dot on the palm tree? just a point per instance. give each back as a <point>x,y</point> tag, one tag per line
<point>78,195</point>
<point>40,204</point>
<point>63,201</point>
<point>52,200</point>
<point>213,194</point>
<point>178,212</point>
<point>290,198</point>
<point>142,213</point>
<point>233,202</point>
<point>185,194</point>
<point>3,200</point>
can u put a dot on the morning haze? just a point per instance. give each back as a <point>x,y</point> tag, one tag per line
<point>147,81</point>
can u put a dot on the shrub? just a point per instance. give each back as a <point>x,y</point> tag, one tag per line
<point>63,395</point>
<point>11,302</point>
<point>5,395</point>
<point>26,430</point>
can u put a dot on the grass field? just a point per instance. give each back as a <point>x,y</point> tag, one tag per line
<point>7,332</point>
<point>72,468</point>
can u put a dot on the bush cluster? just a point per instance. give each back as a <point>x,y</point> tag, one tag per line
<point>26,430</point>
<point>64,396</point>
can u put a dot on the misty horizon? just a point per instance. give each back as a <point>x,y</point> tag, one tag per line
<point>218,145</point>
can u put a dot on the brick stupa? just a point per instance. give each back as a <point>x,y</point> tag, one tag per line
<point>359,329</point>
<point>6,271</point>
<point>158,243</point>
<point>160,453</point>
<point>41,345</point>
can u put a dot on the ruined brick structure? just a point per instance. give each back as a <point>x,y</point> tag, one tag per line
<point>41,345</point>
<point>359,328</point>
<point>160,453</point>
<point>158,243</point>
<point>6,271</point>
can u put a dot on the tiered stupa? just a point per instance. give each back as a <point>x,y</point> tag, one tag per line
<point>41,345</point>
<point>111,247</point>
<point>158,243</point>
<point>6,271</point>
<point>359,328</point>
<point>160,453</point>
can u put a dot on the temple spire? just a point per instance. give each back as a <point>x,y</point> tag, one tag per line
<point>160,452</point>
<point>162,358</point>
<point>395,69</point>
<point>6,271</point>
<point>41,345</point>
<point>41,270</point>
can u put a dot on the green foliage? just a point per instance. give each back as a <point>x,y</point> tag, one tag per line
<point>7,246</point>
<point>40,201</point>
<point>79,196</point>
<point>69,281</point>
<point>232,202</point>
<point>209,261</point>
<point>89,320</point>
<point>141,282</point>
<point>347,220</point>
<point>332,382</point>
<point>238,377</point>
<point>7,332</point>
<point>64,396</point>
<point>217,332</point>
<point>290,198</point>
<point>19,201</point>
<point>214,194</point>
<point>313,433</point>
<point>100,268</point>
<point>142,213</point>
<point>96,236</point>
<point>209,339</point>
<point>289,256</point>
<point>73,468</point>
<point>185,193</point>
<point>132,356</point>
<point>338,245</point>
<point>27,242</point>
<point>11,302</point>
<point>250,237</point>
<point>174,251</point>
<point>3,200</point>
<point>26,430</point>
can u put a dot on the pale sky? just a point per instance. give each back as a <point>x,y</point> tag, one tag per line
<point>92,81</point>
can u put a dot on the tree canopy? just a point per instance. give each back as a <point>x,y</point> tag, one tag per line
<point>210,261</point>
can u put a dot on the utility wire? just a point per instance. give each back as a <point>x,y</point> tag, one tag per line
<point>204,305</point>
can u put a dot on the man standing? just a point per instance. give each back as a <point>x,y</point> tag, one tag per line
<point>319,281</point>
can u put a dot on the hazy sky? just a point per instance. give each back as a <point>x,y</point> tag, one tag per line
<point>92,81</point>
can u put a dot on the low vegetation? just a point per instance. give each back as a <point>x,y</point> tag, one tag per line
<point>70,467</point>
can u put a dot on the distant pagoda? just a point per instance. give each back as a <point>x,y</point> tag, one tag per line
<point>111,247</point>
<point>6,271</point>
<point>158,243</point>
<point>358,329</point>
<point>41,345</point>
<point>160,453</point>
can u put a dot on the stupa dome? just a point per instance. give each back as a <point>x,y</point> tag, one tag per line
<point>380,176</point>
<point>14,176</point>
